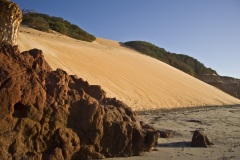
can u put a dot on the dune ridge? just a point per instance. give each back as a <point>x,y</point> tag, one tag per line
<point>140,81</point>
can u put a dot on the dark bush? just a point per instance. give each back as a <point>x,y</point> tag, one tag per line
<point>37,22</point>
<point>45,23</point>
<point>182,62</point>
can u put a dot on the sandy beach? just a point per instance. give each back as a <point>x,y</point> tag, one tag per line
<point>146,84</point>
<point>140,81</point>
<point>221,124</point>
<point>63,98</point>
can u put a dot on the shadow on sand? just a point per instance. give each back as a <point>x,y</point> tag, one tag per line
<point>175,145</point>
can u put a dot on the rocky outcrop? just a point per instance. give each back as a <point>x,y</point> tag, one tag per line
<point>47,114</point>
<point>166,133</point>
<point>227,84</point>
<point>200,139</point>
<point>10,19</point>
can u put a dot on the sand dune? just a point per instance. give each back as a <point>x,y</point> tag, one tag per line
<point>138,80</point>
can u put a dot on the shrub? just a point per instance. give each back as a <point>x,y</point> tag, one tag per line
<point>44,22</point>
<point>182,62</point>
<point>37,22</point>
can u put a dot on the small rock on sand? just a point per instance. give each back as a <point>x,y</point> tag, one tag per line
<point>200,139</point>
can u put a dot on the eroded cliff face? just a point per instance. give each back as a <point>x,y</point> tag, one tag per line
<point>10,19</point>
<point>47,114</point>
<point>227,84</point>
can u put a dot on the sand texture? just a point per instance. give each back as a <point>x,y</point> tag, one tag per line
<point>140,81</point>
<point>221,124</point>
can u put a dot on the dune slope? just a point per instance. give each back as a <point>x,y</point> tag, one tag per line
<point>140,81</point>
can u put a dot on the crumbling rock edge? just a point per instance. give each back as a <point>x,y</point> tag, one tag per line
<point>46,114</point>
<point>10,19</point>
<point>227,84</point>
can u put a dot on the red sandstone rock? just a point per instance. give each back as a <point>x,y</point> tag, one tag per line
<point>47,114</point>
<point>10,19</point>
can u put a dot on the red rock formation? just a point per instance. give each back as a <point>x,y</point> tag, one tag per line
<point>10,19</point>
<point>47,114</point>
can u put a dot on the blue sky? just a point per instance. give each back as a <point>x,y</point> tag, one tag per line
<point>208,30</point>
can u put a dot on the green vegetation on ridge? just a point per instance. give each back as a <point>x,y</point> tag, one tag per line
<point>182,62</point>
<point>44,22</point>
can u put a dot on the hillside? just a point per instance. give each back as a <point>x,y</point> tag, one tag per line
<point>182,62</point>
<point>227,84</point>
<point>188,65</point>
<point>46,23</point>
<point>140,81</point>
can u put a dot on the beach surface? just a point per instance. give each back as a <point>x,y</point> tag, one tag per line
<point>140,81</point>
<point>221,124</point>
<point>147,84</point>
